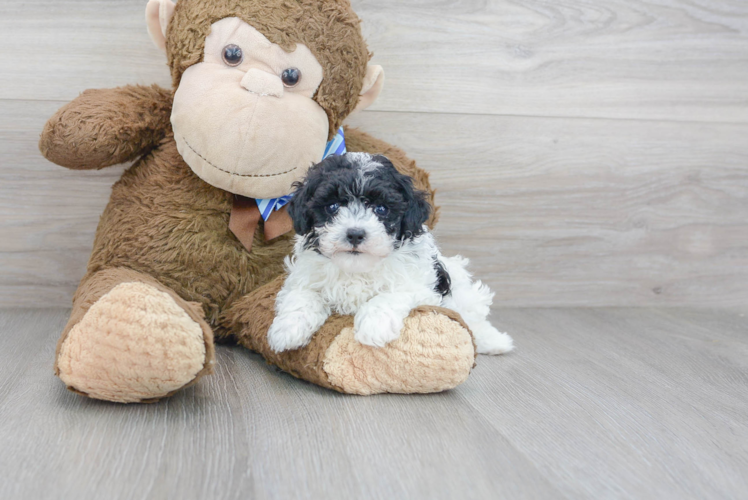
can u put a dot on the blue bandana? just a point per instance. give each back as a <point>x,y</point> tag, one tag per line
<point>335,147</point>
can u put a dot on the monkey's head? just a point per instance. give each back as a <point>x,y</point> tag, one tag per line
<point>261,85</point>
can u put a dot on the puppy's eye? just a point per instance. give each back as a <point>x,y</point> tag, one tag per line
<point>381,210</point>
<point>233,55</point>
<point>332,209</point>
<point>291,77</point>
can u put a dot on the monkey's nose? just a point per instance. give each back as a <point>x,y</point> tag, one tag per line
<point>355,236</point>
<point>262,83</point>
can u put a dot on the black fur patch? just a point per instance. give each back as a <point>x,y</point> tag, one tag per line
<point>337,179</point>
<point>443,280</point>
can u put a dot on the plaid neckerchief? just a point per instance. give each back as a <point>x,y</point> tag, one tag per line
<point>335,147</point>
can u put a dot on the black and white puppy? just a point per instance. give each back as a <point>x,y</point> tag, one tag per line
<point>363,249</point>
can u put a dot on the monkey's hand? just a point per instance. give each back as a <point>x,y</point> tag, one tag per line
<point>106,127</point>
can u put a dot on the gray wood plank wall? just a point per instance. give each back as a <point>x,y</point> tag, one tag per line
<point>585,153</point>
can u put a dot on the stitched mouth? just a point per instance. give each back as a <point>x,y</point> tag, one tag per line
<point>229,172</point>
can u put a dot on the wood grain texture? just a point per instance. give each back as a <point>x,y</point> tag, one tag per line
<point>624,403</point>
<point>48,214</point>
<point>588,212</point>
<point>633,59</point>
<point>607,403</point>
<point>551,211</point>
<point>584,154</point>
<point>642,59</point>
<point>55,49</point>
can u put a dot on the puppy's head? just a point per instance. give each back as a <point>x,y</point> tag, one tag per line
<point>356,209</point>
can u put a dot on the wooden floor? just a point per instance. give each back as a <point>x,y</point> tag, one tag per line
<point>594,403</point>
<point>584,153</point>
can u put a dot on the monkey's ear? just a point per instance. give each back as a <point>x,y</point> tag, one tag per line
<point>373,83</point>
<point>157,16</point>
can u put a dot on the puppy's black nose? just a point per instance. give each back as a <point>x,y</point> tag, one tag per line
<point>356,236</point>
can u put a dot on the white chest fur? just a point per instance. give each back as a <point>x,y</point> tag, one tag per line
<point>409,269</point>
<point>379,299</point>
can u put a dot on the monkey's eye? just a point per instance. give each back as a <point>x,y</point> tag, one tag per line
<point>233,55</point>
<point>291,77</point>
<point>332,209</point>
<point>381,210</point>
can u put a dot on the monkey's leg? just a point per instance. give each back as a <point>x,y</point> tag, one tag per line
<point>131,339</point>
<point>435,351</point>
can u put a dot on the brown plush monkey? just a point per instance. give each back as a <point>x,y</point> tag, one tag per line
<point>180,255</point>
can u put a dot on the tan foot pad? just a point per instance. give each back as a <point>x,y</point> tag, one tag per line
<point>433,354</point>
<point>134,344</point>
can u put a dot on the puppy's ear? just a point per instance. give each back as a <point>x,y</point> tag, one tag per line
<point>418,210</point>
<point>300,206</point>
<point>298,209</point>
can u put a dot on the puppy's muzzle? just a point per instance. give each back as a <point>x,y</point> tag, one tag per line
<point>355,236</point>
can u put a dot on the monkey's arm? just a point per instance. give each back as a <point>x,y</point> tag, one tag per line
<point>105,127</point>
<point>361,142</point>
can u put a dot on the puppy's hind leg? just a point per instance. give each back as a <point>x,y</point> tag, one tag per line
<point>488,340</point>
<point>472,300</point>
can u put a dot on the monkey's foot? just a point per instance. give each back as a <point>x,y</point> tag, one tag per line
<point>435,350</point>
<point>135,344</point>
<point>434,353</point>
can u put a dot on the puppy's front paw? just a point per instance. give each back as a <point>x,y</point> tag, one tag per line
<point>291,331</point>
<point>378,326</point>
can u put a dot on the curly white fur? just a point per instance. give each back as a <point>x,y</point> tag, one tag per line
<point>380,290</point>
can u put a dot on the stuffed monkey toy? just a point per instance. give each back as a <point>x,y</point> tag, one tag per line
<point>190,249</point>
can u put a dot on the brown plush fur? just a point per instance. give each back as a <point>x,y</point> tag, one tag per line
<point>167,228</point>
<point>164,221</point>
<point>329,28</point>
<point>95,285</point>
<point>109,129</point>
<point>251,318</point>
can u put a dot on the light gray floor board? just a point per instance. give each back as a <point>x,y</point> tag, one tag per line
<point>595,403</point>
<point>22,338</point>
<point>250,431</point>
<point>642,404</point>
